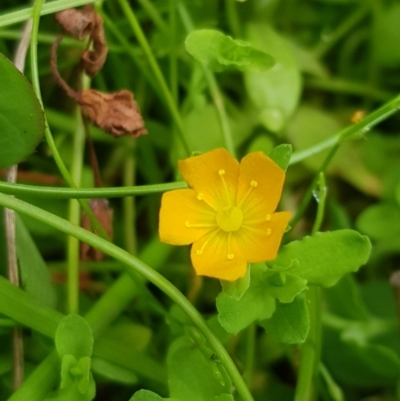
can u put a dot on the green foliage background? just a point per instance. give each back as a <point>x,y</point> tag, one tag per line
<point>332,60</point>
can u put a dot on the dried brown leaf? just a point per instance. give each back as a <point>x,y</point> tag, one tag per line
<point>77,23</point>
<point>101,209</point>
<point>81,23</point>
<point>116,113</point>
<point>93,60</point>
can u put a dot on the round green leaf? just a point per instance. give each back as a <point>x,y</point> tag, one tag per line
<point>74,337</point>
<point>21,116</point>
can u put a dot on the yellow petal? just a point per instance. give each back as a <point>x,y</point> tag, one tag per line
<point>260,185</point>
<point>184,218</point>
<point>213,175</point>
<point>209,256</point>
<point>260,242</point>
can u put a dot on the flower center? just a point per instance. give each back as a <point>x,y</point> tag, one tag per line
<point>230,218</point>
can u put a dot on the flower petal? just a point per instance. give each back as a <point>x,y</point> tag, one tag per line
<point>214,175</point>
<point>257,243</point>
<point>260,185</point>
<point>213,259</point>
<point>184,218</point>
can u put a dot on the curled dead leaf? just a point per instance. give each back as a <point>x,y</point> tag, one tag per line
<point>77,23</point>
<point>81,23</point>
<point>101,209</point>
<point>116,113</point>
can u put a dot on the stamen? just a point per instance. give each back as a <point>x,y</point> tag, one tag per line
<point>221,173</point>
<point>200,251</point>
<point>253,184</point>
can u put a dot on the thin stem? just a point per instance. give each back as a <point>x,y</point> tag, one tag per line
<point>214,88</point>
<point>155,16</point>
<point>49,138</point>
<point>310,351</point>
<point>306,198</point>
<point>233,17</point>
<point>173,60</point>
<point>129,205</point>
<point>157,73</point>
<point>134,266</point>
<point>49,8</point>
<point>74,215</point>
<point>346,26</point>
<point>352,131</point>
<point>87,193</point>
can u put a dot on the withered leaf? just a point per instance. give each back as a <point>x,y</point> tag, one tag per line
<point>77,23</point>
<point>93,60</point>
<point>101,209</point>
<point>116,113</point>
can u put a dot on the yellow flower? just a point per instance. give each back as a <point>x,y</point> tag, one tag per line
<point>228,214</point>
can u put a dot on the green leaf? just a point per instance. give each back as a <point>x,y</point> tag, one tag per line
<point>324,257</point>
<point>223,397</point>
<point>256,303</point>
<point>236,289</point>
<point>146,395</point>
<point>274,92</point>
<point>193,376</point>
<point>74,337</point>
<point>219,51</point>
<point>290,286</point>
<point>21,116</point>
<point>344,299</point>
<point>35,276</point>
<point>290,322</point>
<point>281,155</point>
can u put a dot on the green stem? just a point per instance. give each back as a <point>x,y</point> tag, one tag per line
<point>49,8</point>
<point>87,193</point>
<point>346,26</point>
<point>134,266</point>
<point>310,351</point>
<point>352,131</point>
<point>250,346</point>
<point>155,16</point>
<point>305,387</point>
<point>74,216</point>
<point>49,138</point>
<point>129,206</point>
<point>214,88</point>
<point>233,17</point>
<point>306,198</point>
<point>157,73</point>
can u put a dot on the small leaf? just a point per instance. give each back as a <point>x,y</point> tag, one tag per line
<point>21,116</point>
<point>256,303</point>
<point>219,51</point>
<point>35,275</point>
<point>292,285</point>
<point>146,395</point>
<point>281,155</point>
<point>290,322</point>
<point>192,376</point>
<point>325,257</point>
<point>74,337</point>
<point>236,289</point>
